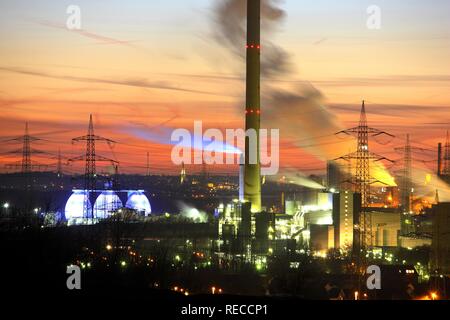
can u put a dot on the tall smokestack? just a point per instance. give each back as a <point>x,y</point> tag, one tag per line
<point>252,176</point>
<point>241,177</point>
<point>439,162</point>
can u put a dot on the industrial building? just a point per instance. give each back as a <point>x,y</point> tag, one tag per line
<point>440,253</point>
<point>310,223</point>
<point>385,227</point>
<point>329,222</point>
<point>346,209</point>
<point>79,206</point>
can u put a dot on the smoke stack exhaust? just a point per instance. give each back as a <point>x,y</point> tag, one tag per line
<point>252,172</point>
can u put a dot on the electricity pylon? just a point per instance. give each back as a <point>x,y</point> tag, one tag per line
<point>362,179</point>
<point>26,165</point>
<point>90,158</point>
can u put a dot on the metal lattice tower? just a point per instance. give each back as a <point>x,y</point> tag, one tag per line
<point>90,158</point>
<point>362,179</point>
<point>406,186</point>
<point>90,170</point>
<point>26,151</point>
<point>148,164</point>
<point>446,166</point>
<point>407,180</point>
<point>26,165</point>
<point>59,164</point>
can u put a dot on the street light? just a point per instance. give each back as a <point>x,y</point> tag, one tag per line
<point>6,205</point>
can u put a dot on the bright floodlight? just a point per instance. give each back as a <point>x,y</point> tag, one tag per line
<point>139,202</point>
<point>77,204</point>
<point>6,205</point>
<point>106,203</point>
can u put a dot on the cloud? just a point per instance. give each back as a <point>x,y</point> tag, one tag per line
<point>388,81</point>
<point>140,83</point>
<point>82,32</point>
<point>393,110</point>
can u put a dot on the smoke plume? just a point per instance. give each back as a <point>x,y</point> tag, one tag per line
<point>231,17</point>
<point>297,111</point>
<point>293,176</point>
<point>300,112</point>
<point>192,213</point>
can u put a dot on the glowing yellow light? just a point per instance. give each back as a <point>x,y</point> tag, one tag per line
<point>434,296</point>
<point>108,247</point>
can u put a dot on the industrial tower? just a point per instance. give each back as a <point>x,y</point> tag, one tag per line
<point>252,171</point>
<point>182,174</point>
<point>90,158</point>
<point>406,188</point>
<point>446,165</point>
<point>362,179</point>
<point>59,164</point>
<point>26,165</point>
<point>26,151</point>
<point>148,164</point>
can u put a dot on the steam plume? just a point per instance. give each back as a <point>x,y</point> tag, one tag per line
<point>295,110</point>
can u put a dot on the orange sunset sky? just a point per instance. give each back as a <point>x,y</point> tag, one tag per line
<point>152,66</point>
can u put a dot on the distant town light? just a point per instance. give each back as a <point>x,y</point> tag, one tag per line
<point>108,247</point>
<point>6,205</point>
